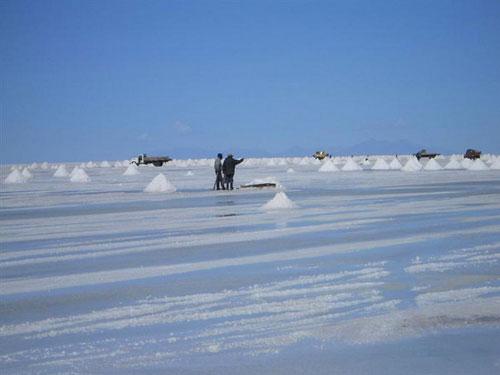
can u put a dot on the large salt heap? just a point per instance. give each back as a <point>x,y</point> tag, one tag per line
<point>496,164</point>
<point>328,166</point>
<point>412,165</point>
<point>15,177</point>
<point>27,174</point>
<point>478,165</point>
<point>395,164</point>
<point>380,165</point>
<point>279,202</point>
<point>432,165</point>
<point>79,175</point>
<point>466,163</point>
<point>453,164</point>
<point>351,165</point>
<point>131,170</point>
<point>160,184</point>
<point>61,171</point>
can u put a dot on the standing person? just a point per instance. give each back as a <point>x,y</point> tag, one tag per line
<point>219,182</point>
<point>228,168</point>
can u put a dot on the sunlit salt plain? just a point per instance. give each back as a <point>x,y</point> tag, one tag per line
<point>371,271</point>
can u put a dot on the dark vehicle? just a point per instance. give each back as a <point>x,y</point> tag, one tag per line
<point>472,154</point>
<point>157,161</point>
<point>424,154</point>
<point>320,155</point>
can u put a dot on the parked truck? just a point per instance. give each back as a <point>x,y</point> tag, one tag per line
<point>425,154</point>
<point>472,154</point>
<point>320,155</point>
<point>157,161</point>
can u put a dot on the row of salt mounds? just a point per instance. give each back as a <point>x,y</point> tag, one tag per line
<point>160,184</point>
<point>61,171</point>
<point>351,165</point>
<point>279,202</point>
<point>131,170</point>
<point>15,177</point>
<point>328,166</point>
<point>453,164</point>
<point>432,165</point>
<point>478,165</point>
<point>395,164</point>
<point>381,165</point>
<point>412,165</point>
<point>79,175</point>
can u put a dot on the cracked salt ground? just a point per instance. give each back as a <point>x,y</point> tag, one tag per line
<point>374,271</point>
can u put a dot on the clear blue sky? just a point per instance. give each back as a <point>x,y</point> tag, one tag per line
<point>93,80</point>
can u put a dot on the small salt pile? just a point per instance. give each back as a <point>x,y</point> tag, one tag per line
<point>131,170</point>
<point>290,170</point>
<point>15,177</point>
<point>27,174</point>
<point>351,165</point>
<point>381,165</point>
<point>75,169</point>
<point>395,164</point>
<point>189,173</point>
<point>90,165</point>
<point>79,176</point>
<point>328,166</point>
<point>117,164</point>
<point>466,163</point>
<point>412,165</point>
<point>61,171</point>
<point>496,164</point>
<point>279,202</point>
<point>105,164</point>
<point>34,166</point>
<point>432,165</point>
<point>45,165</point>
<point>453,164</point>
<point>478,165</point>
<point>160,184</point>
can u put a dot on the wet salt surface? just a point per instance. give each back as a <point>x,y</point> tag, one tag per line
<point>380,272</point>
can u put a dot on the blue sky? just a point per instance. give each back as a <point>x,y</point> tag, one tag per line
<point>93,80</point>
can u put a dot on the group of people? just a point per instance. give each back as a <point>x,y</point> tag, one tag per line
<point>224,171</point>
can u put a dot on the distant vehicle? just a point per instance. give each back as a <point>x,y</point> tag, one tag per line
<point>424,154</point>
<point>320,155</point>
<point>157,161</point>
<point>472,154</point>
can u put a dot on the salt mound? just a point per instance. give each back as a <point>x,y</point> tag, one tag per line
<point>34,166</point>
<point>478,165</point>
<point>412,165</point>
<point>279,202</point>
<point>432,165</point>
<point>290,170</point>
<point>466,163</point>
<point>79,175</point>
<point>27,174</point>
<point>453,164</point>
<point>117,164</point>
<point>316,162</point>
<point>395,164</point>
<point>90,165</point>
<point>189,173</point>
<point>381,165</point>
<point>131,170</point>
<point>45,165</point>
<point>271,163</point>
<point>75,170</point>
<point>105,164</point>
<point>304,161</point>
<point>328,166</point>
<point>61,171</point>
<point>160,184</point>
<point>282,162</point>
<point>15,177</point>
<point>496,164</point>
<point>351,165</point>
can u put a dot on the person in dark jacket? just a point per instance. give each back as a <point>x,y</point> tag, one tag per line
<point>228,168</point>
<point>219,182</point>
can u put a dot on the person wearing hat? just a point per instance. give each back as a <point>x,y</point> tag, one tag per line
<point>228,168</point>
<point>219,182</point>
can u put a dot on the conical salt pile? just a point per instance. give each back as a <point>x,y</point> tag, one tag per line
<point>328,166</point>
<point>189,173</point>
<point>432,165</point>
<point>105,164</point>
<point>351,165</point>
<point>34,166</point>
<point>466,163</point>
<point>61,171</point>
<point>496,164</point>
<point>75,170</point>
<point>279,202</point>
<point>395,164</point>
<point>15,177</point>
<point>79,176</point>
<point>380,165</point>
<point>304,161</point>
<point>27,174</point>
<point>160,184</point>
<point>316,162</point>
<point>453,164</point>
<point>290,170</point>
<point>117,164</point>
<point>478,165</point>
<point>271,163</point>
<point>131,170</point>
<point>412,165</point>
<point>90,164</point>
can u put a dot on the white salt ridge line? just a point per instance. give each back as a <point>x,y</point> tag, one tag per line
<point>455,295</point>
<point>172,242</point>
<point>9,287</point>
<point>187,302</point>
